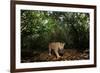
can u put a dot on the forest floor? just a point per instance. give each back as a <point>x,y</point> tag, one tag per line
<point>43,56</point>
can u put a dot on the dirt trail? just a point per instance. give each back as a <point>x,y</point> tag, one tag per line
<point>69,54</point>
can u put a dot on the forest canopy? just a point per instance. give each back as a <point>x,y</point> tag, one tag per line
<point>39,28</point>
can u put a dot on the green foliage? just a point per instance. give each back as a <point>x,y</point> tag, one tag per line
<point>39,28</point>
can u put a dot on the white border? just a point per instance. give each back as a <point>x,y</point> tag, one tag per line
<point>52,64</point>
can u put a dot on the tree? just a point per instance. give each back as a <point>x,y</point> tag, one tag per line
<point>39,28</point>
